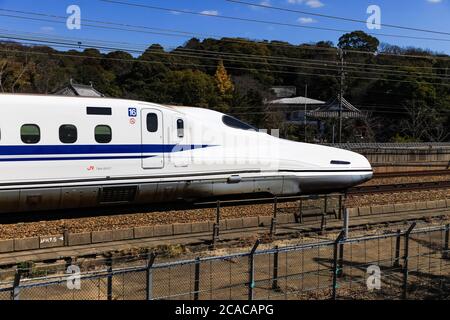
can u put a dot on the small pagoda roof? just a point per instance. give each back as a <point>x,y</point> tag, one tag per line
<point>81,90</point>
<point>331,110</point>
<point>296,101</point>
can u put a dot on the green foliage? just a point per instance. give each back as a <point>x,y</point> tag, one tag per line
<point>406,98</point>
<point>402,139</point>
<point>190,88</point>
<point>358,40</point>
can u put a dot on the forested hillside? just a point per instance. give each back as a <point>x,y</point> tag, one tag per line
<point>406,90</point>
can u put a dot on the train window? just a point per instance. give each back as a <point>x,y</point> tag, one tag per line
<point>101,111</point>
<point>103,134</point>
<point>237,124</point>
<point>152,122</point>
<point>340,162</point>
<point>30,133</point>
<point>68,133</point>
<point>180,128</point>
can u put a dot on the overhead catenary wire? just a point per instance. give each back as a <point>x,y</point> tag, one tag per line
<point>141,5</point>
<point>277,57</point>
<point>316,61</point>
<point>330,64</point>
<point>259,70</point>
<point>443,112</point>
<point>272,7</point>
<point>180,34</point>
<point>331,68</point>
<point>321,66</point>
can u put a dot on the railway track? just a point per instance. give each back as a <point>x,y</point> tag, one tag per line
<point>231,238</point>
<point>420,173</point>
<point>14,218</point>
<point>399,187</point>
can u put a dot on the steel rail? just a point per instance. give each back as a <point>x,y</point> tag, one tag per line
<point>410,173</point>
<point>399,187</point>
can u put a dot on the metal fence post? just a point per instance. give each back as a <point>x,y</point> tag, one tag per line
<point>273,225</point>
<point>346,222</point>
<point>216,227</point>
<point>66,237</point>
<point>15,292</point>
<point>275,270</point>
<point>335,263</point>
<point>340,207</point>
<point>405,261</point>
<point>197,278</point>
<point>340,270</point>
<point>397,249</point>
<point>340,258</point>
<point>149,276</point>
<point>251,270</point>
<point>300,216</point>
<point>445,254</point>
<point>109,277</point>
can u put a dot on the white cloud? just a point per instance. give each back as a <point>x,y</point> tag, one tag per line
<point>434,1</point>
<point>263,3</point>
<point>315,3</point>
<point>304,20</point>
<point>210,12</point>
<point>47,29</point>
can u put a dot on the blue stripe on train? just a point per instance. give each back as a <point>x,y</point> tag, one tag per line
<point>72,158</point>
<point>95,149</point>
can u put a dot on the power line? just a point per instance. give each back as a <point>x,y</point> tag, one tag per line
<point>330,64</point>
<point>266,6</point>
<point>140,5</point>
<point>246,56</point>
<point>251,69</point>
<point>184,34</point>
<point>103,22</point>
<point>92,26</point>
<point>316,61</point>
<point>442,112</point>
<point>225,40</point>
<point>240,56</point>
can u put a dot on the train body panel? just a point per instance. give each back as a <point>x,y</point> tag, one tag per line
<point>63,152</point>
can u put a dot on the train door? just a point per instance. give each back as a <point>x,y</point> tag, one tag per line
<point>152,139</point>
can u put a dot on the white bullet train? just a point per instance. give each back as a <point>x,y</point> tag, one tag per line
<point>69,152</point>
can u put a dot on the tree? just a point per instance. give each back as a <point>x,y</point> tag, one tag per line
<point>359,40</point>
<point>423,123</point>
<point>382,84</point>
<point>223,80</point>
<point>190,88</point>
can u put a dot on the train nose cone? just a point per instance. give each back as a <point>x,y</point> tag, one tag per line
<point>361,178</point>
<point>361,163</point>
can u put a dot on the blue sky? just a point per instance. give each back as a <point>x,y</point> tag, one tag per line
<point>425,14</point>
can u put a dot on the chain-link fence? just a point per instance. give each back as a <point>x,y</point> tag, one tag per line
<point>411,264</point>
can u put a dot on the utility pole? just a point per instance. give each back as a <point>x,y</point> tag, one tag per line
<point>304,116</point>
<point>341,91</point>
